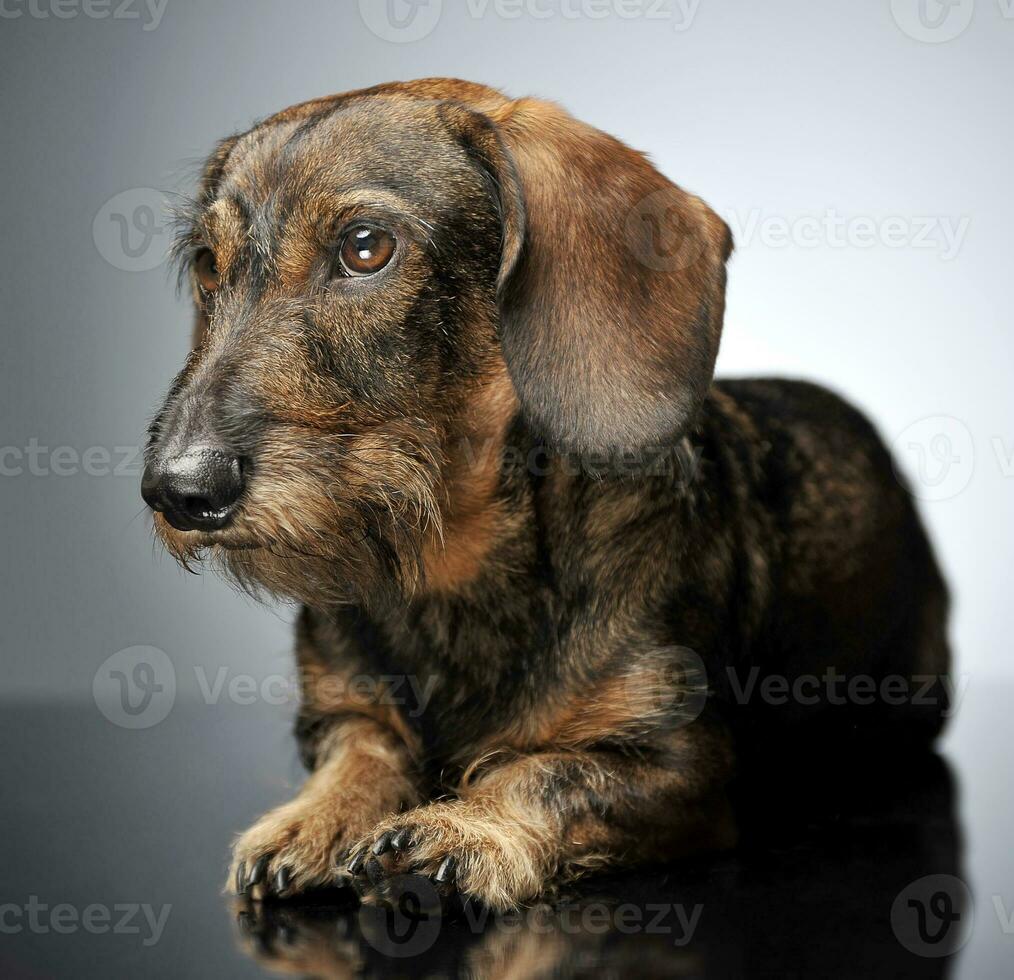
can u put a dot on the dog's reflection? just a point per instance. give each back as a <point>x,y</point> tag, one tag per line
<point>578,941</point>
<point>819,886</point>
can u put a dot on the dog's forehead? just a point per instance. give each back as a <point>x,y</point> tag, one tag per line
<point>399,145</point>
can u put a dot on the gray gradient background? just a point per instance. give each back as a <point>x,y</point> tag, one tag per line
<point>774,110</point>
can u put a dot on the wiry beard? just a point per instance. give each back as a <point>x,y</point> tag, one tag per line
<point>330,518</point>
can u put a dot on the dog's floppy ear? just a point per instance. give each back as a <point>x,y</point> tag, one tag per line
<point>612,283</point>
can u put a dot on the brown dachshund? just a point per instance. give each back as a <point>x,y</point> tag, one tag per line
<point>451,390</point>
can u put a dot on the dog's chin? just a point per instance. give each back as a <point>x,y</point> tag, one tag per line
<point>188,546</point>
<point>226,543</point>
<point>289,570</point>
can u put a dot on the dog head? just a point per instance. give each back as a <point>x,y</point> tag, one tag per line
<point>381,274</point>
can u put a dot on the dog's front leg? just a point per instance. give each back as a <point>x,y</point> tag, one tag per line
<point>362,773</point>
<point>522,824</point>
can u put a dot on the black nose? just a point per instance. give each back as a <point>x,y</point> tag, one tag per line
<point>196,491</point>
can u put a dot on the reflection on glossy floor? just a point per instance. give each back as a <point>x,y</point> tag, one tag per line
<point>830,880</point>
<point>816,898</point>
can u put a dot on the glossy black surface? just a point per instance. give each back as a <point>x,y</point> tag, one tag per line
<point>129,831</point>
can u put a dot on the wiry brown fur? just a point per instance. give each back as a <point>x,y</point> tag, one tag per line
<point>435,467</point>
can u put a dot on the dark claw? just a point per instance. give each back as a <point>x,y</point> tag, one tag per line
<point>383,843</point>
<point>342,880</point>
<point>356,864</point>
<point>257,871</point>
<point>402,840</point>
<point>375,871</point>
<point>241,878</point>
<point>445,873</point>
<point>282,880</point>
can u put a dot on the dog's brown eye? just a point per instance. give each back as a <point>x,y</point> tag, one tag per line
<point>206,269</point>
<point>366,250</point>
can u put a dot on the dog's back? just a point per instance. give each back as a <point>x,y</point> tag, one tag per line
<point>854,612</point>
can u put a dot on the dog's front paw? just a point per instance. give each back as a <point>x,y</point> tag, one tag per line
<point>295,847</point>
<point>459,847</point>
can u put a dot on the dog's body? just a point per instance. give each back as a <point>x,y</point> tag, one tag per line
<point>525,531</point>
